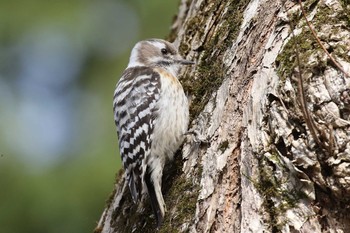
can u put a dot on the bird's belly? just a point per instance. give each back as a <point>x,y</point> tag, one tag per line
<point>172,120</point>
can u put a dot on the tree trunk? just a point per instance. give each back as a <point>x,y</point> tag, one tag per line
<point>271,116</point>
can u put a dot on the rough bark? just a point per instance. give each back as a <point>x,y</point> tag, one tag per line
<point>271,151</point>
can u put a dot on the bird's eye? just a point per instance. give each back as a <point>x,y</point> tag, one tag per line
<point>164,51</point>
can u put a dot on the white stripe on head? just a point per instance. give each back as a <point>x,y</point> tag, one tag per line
<point>158,44</point>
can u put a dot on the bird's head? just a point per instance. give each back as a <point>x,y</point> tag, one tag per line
<point>157,53</point>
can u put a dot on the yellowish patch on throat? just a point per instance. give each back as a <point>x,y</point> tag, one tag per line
<point>167,75</point>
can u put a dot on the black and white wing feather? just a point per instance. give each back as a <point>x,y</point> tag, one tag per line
<point>134,105</point>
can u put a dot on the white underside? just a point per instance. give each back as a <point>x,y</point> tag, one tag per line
<point>171,124</point>
<point>169,131</point>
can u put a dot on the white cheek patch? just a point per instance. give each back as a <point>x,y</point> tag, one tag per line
<point>155,60</point>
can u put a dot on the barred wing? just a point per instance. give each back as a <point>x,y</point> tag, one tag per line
<point>134,106</point>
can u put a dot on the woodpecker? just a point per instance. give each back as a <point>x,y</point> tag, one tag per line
<point>151,114</point>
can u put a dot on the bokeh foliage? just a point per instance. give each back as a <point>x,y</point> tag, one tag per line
<point>68,194</point>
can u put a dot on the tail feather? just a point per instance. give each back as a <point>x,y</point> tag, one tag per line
<point>135,182</point>
<point>135,191</point>
<point>154,200</point>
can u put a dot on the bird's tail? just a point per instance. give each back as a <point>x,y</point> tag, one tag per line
<point>135,183</point>
<point>156,197</point>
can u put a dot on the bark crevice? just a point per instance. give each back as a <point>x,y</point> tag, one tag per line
<point>253,165</point>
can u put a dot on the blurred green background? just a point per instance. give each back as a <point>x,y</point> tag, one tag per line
<point>59,63</point>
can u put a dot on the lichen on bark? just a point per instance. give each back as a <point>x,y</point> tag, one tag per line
<point>321,173</point>
<point>252,164</point>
